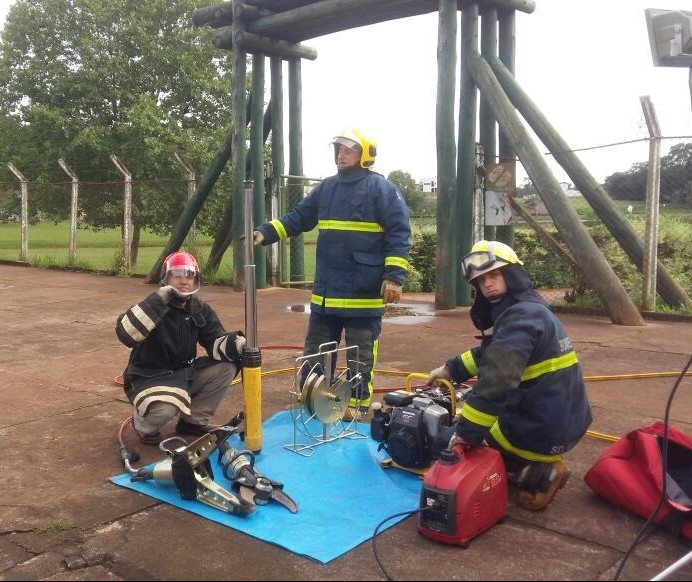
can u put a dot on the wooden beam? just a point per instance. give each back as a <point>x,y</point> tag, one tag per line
<point>226,38</point>
<point>601,276</point>
<point>618,225</point>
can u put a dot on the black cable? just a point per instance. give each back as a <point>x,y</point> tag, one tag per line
<point>664,454</point>
<point>374,536</point>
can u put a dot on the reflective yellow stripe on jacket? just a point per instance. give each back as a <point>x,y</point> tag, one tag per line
<point>496,433</point>
<point>469,363</point>
<point>279,228</point>
<point>341,303</point>
<point>396,262</point>
<point>547,366</point>
<point>349,225</point>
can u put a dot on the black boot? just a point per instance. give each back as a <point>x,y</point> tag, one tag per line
<point>184,427</point>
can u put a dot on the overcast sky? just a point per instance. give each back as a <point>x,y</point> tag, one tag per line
<point>585,63</point>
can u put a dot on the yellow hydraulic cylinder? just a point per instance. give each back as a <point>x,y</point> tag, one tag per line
<point>252,397</point>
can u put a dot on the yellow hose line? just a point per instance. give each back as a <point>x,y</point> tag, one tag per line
<point>601,436</point>
<point>635,376</point>
<point>591,433</point>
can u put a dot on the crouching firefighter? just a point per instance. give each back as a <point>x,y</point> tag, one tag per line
<point>529,401</point>
<point>164,378</point>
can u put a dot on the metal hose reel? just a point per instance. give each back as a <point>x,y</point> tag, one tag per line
<point>320,398</point>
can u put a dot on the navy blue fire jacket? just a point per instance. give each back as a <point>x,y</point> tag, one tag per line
<point>530,394</point>
<point>364,238</point>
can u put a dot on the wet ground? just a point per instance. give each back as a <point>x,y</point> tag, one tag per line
<point>62,520</point>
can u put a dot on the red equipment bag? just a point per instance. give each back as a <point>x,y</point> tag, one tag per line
<point>629,474</point>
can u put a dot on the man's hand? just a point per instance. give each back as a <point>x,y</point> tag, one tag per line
<point>441,373</point>
<point>168,293</point>
<point>257,238</point>
<point>391,291</point>
<point>456,440</point>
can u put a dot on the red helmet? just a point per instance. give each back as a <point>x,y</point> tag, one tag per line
<point>181,264</point>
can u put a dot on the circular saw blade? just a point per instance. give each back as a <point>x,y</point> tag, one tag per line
<point>326,403</point>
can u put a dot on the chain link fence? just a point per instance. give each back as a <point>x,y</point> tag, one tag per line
<point>81,224</point>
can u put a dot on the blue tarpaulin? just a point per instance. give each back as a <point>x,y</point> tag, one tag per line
<point>341,490</point>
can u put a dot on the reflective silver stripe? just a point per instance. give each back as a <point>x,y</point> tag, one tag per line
<point>396,262</point>
<point>219,350</point>
<point>131,330</point>
<point>349,225</point>
<point>143,318</point>
<point>179,398</point>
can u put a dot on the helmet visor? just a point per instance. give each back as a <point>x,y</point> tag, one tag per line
<point>344,141</point>
<point>476,263</point>
<point>187,271</point>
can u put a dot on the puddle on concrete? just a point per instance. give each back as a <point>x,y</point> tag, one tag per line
<point>400,313</point>
<point>408,313</point>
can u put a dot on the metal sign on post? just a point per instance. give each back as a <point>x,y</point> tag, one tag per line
<point>251,357</point>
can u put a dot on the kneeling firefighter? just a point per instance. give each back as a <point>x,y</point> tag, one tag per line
<point>529,401</point>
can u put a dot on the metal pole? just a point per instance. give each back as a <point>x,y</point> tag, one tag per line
<point>252,358</point>
<point>653,184</point>
<point>191,187</point>
<point>73,210</point>
<point>24,186</point>
<point>670,569</point>
<point>127,212</point>
<point>250,288</point>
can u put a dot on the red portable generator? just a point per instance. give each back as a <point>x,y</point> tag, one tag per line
<point>464,493</point>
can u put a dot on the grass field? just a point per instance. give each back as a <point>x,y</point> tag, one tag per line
<point>48,245</point>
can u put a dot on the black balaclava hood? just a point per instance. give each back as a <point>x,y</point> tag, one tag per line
<point>519,288</point>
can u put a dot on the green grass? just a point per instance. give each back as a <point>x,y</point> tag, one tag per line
<point>48,246</point>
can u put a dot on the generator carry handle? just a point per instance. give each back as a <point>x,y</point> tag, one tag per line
<point>446,383</point>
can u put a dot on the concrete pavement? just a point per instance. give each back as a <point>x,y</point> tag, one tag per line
<point>62,520</point>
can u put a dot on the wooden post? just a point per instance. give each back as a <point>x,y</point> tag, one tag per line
<point>257,164</point>
<point>446,252</point>
<point>295,162</point>
<point>487,123</point>
<point>601,277</point>
<point>466,154</point>
<point>274,252</point>
<point>593,192</point>
<point>238,173</point>
<point>506,50</point>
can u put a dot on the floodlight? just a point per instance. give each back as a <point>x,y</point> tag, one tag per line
<point>670,37</point>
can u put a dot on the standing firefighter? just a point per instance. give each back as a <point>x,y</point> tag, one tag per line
<point>362,254</point>
<point>529,401</point>
<point>164,377</point>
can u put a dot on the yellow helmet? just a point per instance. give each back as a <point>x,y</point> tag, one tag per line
<point>487,256</point>
<point>352,138</point>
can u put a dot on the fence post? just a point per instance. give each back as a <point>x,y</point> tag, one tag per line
<point>478,206</point>
<point>191,187</point>
<point>24,185</point>
<point>653,184</point>
<point>127,212</point>
<point>73,210</point>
